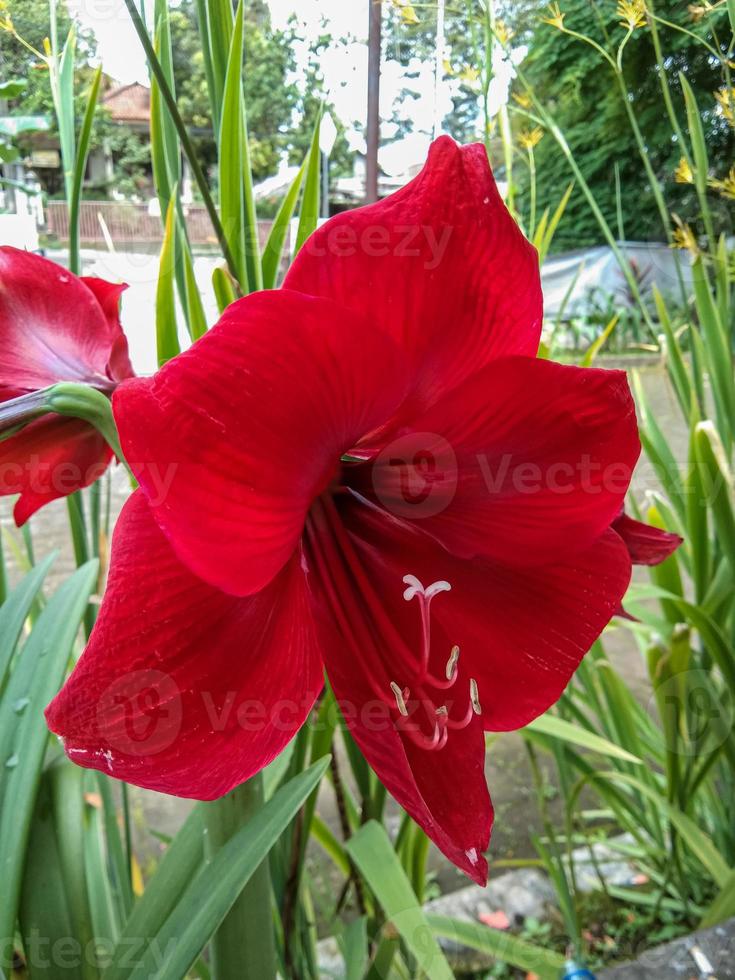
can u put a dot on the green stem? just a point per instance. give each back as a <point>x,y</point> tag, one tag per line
<point>243,946</point>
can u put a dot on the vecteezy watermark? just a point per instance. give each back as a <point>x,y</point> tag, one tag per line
<point>426,243</point>
<point>696,714</point>
<point>146,709</point>
<point>59,954</point>
<point>39,475</point>
<point>416,475</point>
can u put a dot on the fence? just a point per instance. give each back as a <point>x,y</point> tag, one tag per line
<point>128,222</point>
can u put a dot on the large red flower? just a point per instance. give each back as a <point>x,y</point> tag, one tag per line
<point>367,472</point>
<point>54,326</point>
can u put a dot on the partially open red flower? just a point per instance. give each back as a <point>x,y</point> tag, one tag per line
<point>646,545</point>
<point>54,326</point>
<point>367,472</point>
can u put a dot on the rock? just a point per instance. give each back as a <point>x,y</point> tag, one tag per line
<point>707,954</point>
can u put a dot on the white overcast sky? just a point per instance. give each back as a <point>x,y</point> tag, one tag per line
<point>344,67</point>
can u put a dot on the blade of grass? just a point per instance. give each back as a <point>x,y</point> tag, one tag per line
<point>372,852</point>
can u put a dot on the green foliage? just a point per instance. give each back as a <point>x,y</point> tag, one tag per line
<point>579,90</point>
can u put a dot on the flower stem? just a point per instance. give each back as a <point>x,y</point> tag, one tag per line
<point>243,946</point>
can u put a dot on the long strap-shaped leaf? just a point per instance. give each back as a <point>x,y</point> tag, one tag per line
<point>14,612</point>
<point>23,733</point>
<point>542,962</point>
<point>372,852</point>
<point>167,952</point>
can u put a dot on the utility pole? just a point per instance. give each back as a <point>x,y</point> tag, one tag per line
<point>373,106</point>
<point>439,56</point>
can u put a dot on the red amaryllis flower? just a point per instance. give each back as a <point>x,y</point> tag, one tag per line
<point>54,326</point>
<point>367,472</point>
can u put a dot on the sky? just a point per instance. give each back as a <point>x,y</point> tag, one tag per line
<point>344,67</point>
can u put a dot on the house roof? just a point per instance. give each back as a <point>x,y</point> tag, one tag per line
<point>129,103</point>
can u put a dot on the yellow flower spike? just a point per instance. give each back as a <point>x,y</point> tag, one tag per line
<point>528,138</point>
<point>47,47</point>
<point>469,75</point>
<point>447,67</point>
<point>503,32</point>
<point>683,173</point>
<point>698,10</point>
<point>632,13</point>
<point>523,100</point>
<point>683,237</point>
<point>406,10</point>
<point>726,100</point>
<point>726,186</point>
<point>555,17</point>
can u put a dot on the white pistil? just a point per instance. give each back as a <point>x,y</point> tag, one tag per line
<point>475,697</point>
<point>442,711</point>
<point>400,701</point>
<point>452,663</point>
<point>415,587</point>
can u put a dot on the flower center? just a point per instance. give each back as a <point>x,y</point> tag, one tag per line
<point>422,697</point>
<point>419,705</point>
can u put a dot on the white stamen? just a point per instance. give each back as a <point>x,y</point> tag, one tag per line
<point>472,855</point>
<point>475,697</point>
<point>452,663</point>
<point>400,702</point>
<point>442,710</point>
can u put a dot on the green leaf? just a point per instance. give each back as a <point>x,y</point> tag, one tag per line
<point>723,907</point>
<point>224,288</point>
<point>502,945</point>
<point>80,166</point>
<point>231,142</point>
<point>599,342</point>
<point>167,339</point>
<point>15,610</point>
<point>273,250</point>
<point>168,953</point>
<point>309,216</point>
<point>717,481</point>
<point>372,852</point>
<point>675,359</point>
<point>354,946</point>
<point>566,732</point>
<point>696,840</point>
<point>34,681</point>
<point>44,907</point>
<point>182,860</point>
<point>12,88</point>
<point>67,793</point>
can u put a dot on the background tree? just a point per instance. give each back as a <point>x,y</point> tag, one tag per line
<point>271,96</point>
<point>580,91</point>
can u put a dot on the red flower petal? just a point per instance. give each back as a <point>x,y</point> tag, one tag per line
<point>108,296</point>
<point>52,327</point>
<point>369,636</point>
<point>647,545</point>
<point>232,440</point>
<point>440,265</point>
<point>527,461</point>
<point>50,458</point>
<point>182,688</point>
<point>521,632</point>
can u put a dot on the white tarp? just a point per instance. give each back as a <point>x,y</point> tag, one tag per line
<point>598,269</point>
